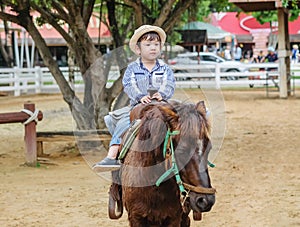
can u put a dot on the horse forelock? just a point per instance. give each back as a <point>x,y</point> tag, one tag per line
<point>192,123</point>
<point>193,126</point>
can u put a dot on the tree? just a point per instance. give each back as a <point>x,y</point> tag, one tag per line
<point>76,14</point>
<point>6,48</point>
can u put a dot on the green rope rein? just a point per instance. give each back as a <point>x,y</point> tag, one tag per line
<point>212,165</point>
<point>174,168</point>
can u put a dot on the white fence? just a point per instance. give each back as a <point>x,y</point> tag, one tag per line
<point>39,80</point>
<point>261,74</point>
<point>30,80</point>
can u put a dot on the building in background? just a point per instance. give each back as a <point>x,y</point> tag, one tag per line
<point>250,33</point>
<point>25,54</point>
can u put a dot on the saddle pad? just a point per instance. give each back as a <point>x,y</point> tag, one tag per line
<point>129,138</point>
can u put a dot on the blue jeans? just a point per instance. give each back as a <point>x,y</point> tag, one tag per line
<point>117,127</point>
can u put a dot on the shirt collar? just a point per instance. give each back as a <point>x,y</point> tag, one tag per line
<point>159,62</point>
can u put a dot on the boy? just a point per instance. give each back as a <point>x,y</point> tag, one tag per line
<point>147,72</point>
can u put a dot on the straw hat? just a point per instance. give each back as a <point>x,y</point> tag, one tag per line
<point>145,29</point>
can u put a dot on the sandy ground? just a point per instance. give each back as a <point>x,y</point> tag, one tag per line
<point>256,175</point>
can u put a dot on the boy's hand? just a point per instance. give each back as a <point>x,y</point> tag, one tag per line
<point>146,99</point>
<point>157,96</point>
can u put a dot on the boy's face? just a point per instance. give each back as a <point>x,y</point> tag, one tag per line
<point>149,50</point>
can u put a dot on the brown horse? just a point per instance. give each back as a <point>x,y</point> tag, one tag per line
<point>164,173</point>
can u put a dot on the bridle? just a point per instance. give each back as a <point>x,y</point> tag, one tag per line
<point>168,146</point>
<point>183,187</point>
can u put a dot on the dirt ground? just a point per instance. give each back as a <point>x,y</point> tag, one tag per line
<point>256,175</point>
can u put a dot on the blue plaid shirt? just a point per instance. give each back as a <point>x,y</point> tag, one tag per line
<point>137,80</point>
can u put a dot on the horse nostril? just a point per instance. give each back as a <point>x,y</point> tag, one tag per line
<point>202,202</point>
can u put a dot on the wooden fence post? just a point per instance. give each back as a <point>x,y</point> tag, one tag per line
<point>28,117</point>
<point>30,138</point>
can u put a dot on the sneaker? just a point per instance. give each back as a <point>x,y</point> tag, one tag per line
<point>107,164</point>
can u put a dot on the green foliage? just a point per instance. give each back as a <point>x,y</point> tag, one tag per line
<point>269,16</point>
<point>292,3</point>
<point>221,6</point>
<point>203,8</point>
<point>40,21</point>
<point>265,16</point>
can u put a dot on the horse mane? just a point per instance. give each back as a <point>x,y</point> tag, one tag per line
<point>156,119</point>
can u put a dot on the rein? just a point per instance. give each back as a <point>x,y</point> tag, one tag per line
<point>174,169</point>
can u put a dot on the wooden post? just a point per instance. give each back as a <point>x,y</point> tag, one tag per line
<point>30,138</point>
<point>283,53</point>
<point>30,130</point>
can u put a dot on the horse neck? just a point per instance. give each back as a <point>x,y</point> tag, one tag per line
<point>144,158</point>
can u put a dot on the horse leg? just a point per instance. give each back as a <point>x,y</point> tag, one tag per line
<point>185,220</point>
<point>176,221</point>
<point>137,221</point>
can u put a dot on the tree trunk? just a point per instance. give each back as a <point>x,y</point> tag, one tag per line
<point>81,115</point>
<point>6,52</point>
<point>119,54</point>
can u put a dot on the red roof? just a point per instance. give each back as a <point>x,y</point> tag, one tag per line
<point>240,24</point>
<point>47,31</point>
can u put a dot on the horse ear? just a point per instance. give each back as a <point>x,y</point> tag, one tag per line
<point>200,106</point>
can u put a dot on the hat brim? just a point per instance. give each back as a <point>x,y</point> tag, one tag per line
<point>145,29</point>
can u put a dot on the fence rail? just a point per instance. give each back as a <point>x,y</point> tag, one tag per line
<point>40,80</point>
<point>217,77</point>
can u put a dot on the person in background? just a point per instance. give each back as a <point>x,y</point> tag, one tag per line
<point>260,57</point>
<point>227,53</point>
<point>147,72</point>
<point>271,56</point>
<point>254,59</point>
<point>237,53</point>
<point>295,54</point>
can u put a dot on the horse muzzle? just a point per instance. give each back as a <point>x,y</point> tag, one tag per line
<point>202,202</point>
